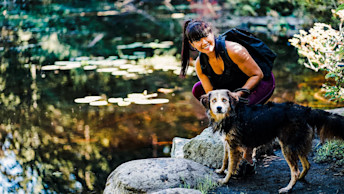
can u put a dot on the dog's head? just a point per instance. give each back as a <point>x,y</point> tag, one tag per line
<point>218,103</point>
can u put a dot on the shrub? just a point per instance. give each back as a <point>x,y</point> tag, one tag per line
<point>323,46</point>
<point>331,151</point>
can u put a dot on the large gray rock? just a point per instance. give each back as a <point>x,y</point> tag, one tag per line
<point>206,149</point>
<point>339,111</point>
<point>178,191</point>
<point>153,175</point>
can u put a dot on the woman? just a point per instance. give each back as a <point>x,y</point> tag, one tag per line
<point>217,73</point>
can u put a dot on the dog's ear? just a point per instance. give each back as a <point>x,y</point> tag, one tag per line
<point>205,100</point>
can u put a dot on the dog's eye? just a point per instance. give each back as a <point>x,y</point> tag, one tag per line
<point>213,101</point>
<point>224,100</point>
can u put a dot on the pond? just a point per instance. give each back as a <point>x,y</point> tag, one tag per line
<point>82,92</point>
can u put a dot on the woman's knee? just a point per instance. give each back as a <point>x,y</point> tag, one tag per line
<point>198,90</point>
<point>263,91</point>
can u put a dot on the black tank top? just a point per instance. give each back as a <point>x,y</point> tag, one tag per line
<point>231,78</point>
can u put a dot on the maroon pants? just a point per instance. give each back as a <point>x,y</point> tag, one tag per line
<point>259,95</point>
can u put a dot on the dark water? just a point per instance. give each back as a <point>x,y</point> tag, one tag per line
<point>52,144</point>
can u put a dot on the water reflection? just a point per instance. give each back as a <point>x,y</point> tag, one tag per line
<point>52,143</point>
<point>68,147</point>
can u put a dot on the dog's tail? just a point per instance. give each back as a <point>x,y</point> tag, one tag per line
<point>328,125</point>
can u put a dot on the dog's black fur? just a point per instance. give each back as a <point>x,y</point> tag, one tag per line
<point>291,123</point>
<point>295,127</point>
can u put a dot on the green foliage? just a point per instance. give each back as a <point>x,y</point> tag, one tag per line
<point>323,48</point>
<point>318,10</point>
<point>314,9</point>
<point>331,151</point>
<point>341,7</point>
<point>334,92</point>
<point>204,184</point>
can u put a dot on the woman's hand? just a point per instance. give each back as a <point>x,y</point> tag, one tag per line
<point>237,94</point>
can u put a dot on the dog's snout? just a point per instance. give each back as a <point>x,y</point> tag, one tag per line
<point>219,108</point>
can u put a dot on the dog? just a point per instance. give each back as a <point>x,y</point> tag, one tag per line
<point>249,126</point>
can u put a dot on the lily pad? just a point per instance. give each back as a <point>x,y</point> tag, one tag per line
<point>107,70</point>
<point>124,103</point>
<point>90,67</point>
<point>50,67</point>
<point>99,103</point>
<point>115,100</point>
<point>152,101</point>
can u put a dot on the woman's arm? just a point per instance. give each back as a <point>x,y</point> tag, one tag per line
<point>202,77</point>
<point>246,64</point>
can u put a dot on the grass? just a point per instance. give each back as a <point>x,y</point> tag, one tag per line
<point>203,184</point>
<point>331,151</point>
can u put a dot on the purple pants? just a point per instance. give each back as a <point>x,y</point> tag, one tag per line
<point>259,95</point>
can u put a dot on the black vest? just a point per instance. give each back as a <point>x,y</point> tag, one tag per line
<point>232,77</point>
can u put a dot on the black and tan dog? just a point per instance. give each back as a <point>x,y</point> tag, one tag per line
<point>250,126</point>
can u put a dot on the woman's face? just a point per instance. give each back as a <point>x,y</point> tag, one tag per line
<point>205,44</point>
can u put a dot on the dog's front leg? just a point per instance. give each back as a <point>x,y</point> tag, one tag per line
<point>234,157</point>
<point>225,158</point>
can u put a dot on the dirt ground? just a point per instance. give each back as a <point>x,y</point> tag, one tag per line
<point>273,173</point>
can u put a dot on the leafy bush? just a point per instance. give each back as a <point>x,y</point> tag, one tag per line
<point>323,46</point>
<point>331,151</point>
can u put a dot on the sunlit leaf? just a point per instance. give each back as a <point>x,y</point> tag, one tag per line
<point>50,67</point>
<point>115,100</point>
<point>89,67</point>
<point>152,101</point>
<point>99,103</point>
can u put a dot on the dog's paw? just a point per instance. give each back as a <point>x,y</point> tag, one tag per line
<point>219,171</point>
<point>222,181</point>
<point>284,190</point>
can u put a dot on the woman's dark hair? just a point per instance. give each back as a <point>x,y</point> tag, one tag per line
<point>193,30</point>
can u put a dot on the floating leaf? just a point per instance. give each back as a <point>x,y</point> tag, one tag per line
<point>90,67</point>
<point>93,98</point>
<point>115,100</point>
<point>126,66</point>
<point>99,103</point>
<point>119,73</point>
<point>87,99</point>
<point>107,70</point>
<point>50,67</point>
<point>152,101</point>
<point>124,103</point>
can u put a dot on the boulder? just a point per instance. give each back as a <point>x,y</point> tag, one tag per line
<point>156,174</point>
<point>206,149</point>
<point>339,111</point>
<point>178,191</point>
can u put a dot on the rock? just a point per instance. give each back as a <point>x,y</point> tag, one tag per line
<point>153,175</point>
<point>177,147</point>
<point>206,149</point>
<point>178,191</point>
<point>339,111</point>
